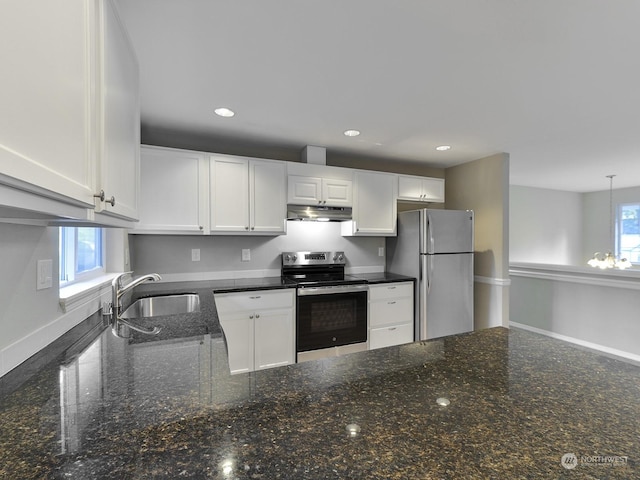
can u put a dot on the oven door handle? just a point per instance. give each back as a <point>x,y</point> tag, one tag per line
<point>328,290</point>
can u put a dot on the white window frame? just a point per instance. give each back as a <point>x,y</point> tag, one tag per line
<point>618,231</point>
<point>70,260</point>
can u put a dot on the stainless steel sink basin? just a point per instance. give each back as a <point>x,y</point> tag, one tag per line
<point>163,305</point>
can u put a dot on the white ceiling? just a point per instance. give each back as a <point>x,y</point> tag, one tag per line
<point>554,83</point>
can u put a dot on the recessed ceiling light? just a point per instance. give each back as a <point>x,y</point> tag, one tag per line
<point>224,112</point>
<point>352,133</point>
<point>443,148</point>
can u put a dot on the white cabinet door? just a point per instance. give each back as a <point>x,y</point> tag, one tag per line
<point>238,331</point>
<point>229,193</point>
<point>328,192</point>
<point>374,205</point>
<point>273,336</point>
<point>247,195</point>
<point>433,189</point>
<point>259,327</point>
<point>268,209</point>
<point>337,193</point>
<point>174,191</point>
<point>120,119</point>
<point>409,188</point>
<point>304,190</point>
<point>47,143</point>
<point>420,189</point>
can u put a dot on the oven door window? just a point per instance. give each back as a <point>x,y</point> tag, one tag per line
<point>331,320</point>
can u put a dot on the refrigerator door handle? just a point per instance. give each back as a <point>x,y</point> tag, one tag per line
<point>431,241</point>
<point>429,272</point>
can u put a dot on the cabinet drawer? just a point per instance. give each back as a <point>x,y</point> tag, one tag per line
<point>391,311</point>
<point>390,290</point>
<point>392,335</point>
<point>256,300</point>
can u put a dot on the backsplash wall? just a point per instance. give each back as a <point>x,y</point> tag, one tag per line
<point>170,255</point>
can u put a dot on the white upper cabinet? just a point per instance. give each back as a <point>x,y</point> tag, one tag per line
<point>119,159</point>
<point>267,200</point>
<point>328,192</point>
<point>420,189</point>
<point>374,205</point>
<point>47,143</point>
<point>247,195</point>
<point>174,191</point>
<point>70,116</point>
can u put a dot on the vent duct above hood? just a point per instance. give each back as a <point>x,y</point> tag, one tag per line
<point>318,214</point>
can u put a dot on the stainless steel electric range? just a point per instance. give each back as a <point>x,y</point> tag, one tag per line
<point>331,307</point>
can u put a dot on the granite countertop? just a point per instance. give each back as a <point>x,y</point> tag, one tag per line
<point>114,408</point>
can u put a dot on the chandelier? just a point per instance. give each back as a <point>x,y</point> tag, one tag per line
<point>609,260</point>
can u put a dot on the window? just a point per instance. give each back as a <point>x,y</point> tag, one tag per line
<point>81,253</point>
<point>628,238</point>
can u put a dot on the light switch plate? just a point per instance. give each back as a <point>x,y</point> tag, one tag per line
<point>246,254</point>
<point>44,274</point>
<point>381,251</point>
<point>195,254</point>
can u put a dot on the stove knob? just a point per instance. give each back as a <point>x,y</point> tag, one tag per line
<point>340,257</point>
<point>287,258</point>
<point>295,257</point>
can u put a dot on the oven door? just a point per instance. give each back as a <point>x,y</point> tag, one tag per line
<point>331,316</point>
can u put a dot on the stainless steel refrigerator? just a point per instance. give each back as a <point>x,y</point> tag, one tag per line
<point>436,247</point>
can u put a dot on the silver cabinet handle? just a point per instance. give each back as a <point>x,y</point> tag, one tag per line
<point>392,328</point>
<point>201,227</point>
<point>257,315</point>
<point>257,296</point>
<point>102,198</point>
<point>391,288</point>
<point>391,303</point>
<point>246,228</point>
<point>250,316</point>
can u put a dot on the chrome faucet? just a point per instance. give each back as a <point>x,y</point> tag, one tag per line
<point>118,291</point>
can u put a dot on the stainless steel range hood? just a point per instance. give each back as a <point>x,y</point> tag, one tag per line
<point>318,213</point>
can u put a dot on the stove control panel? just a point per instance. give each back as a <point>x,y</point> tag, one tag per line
<point>313,258</point>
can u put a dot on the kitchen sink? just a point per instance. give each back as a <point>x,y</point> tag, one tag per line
<point>163,305</point>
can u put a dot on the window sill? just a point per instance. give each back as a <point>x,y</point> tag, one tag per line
<point>78,294</point>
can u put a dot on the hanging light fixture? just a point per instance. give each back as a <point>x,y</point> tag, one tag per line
<point>609,260</point>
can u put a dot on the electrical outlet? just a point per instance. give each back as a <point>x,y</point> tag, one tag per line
<point>381,251</point>
<point>195,254</point>
<point>246,254</point>
<point>44,276</point>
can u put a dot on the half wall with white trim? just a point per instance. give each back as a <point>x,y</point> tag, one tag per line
<point>593,308</point>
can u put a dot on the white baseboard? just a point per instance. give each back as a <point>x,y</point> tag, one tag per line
<point>593,346</point>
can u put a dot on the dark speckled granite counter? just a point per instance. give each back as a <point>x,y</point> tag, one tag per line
<point>118,408</point>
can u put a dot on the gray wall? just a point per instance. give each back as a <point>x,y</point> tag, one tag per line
<point>545,226</point>
<point>561,228</point>
<point>23,309</point>
<point>171,254</point>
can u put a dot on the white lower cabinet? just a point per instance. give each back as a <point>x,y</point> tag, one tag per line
<point>390,314</point>
<point>259,328</point>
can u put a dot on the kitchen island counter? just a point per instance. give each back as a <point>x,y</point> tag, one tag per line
<point>495,403</point>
